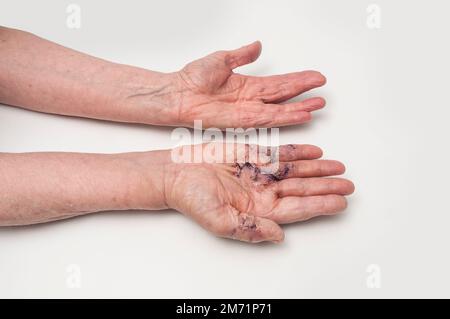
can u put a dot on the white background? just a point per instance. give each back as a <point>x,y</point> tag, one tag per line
<point>386,119</point>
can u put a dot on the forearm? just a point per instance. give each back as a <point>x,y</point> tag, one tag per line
<point>40,187</point>
<point>43,76</point>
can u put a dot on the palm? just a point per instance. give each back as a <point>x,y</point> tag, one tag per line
<point>239,201</point>
<point>210,91</point>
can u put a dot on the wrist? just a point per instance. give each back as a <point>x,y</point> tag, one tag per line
<point>148,97</point>
<point>152,172</point>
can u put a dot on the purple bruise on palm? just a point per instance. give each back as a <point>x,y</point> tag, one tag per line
<point>255,172</point>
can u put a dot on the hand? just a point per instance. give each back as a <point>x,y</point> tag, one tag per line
<point>244,201</point>
<point>209,90</point>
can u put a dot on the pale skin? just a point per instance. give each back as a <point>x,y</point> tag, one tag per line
<point>234,200</point>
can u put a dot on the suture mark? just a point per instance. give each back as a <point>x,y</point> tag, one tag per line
<point>255,172</point>
<point>280,174</point>
<point>247,223</point>
<point>252,167</point>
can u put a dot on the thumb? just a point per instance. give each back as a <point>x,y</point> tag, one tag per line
<point>255,229</point>
<point>244,55</point>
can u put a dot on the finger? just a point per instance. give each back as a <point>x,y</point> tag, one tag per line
<point>215,152</point>
<point>314,186</point>
<point>273,115</point>
<point>257,115</point>
<point>309,168</point>
<point>308,105</point>
<point>260,154</point>
<point>244,55</point>
<point>267,116</point>
<point>303,168</point>
<point>294,209</point>
<point>292,152</point>
<point>255,229</point>
<point>279,88</point>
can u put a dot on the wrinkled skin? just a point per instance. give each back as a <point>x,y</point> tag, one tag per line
<point>208,90</point>
<point>239,201</point>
